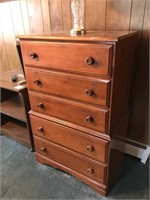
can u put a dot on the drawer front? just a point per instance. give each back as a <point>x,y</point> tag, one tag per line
<point>89,90</point>
<point>85,58</point>
<point>75,140</point>
<point>87,116</point>
<point>71,159</point>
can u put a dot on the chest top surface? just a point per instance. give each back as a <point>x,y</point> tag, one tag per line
<point>104,36</point>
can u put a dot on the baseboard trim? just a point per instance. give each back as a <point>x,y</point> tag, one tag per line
<point>138,152</point>
<point>135,143</point>
<point>138,149</point>
<point>132,148</point>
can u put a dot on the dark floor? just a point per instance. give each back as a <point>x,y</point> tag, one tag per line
<point>23,178</point>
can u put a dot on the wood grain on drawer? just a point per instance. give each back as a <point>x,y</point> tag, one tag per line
<point>86,89</point>
<point>75,161</point>
<point>81,114</point>
<point>83,58</point>
<point>72,139</point>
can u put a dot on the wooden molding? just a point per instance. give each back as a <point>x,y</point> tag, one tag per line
<point>133,148</point>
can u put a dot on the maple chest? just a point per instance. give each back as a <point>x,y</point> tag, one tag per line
<point>79,88</point>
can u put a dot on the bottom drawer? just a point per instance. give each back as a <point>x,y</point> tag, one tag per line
<point>81,164</point>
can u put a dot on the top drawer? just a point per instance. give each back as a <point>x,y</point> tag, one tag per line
<point>82,58</point>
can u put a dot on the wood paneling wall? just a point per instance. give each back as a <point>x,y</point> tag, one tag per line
<point>44,16</point>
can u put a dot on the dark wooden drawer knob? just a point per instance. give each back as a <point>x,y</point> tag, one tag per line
<point>36,82</point>
<point>90,171</point>
<point>89,119</point>
<point>43,149</point>
<point>40,105</point>
<point>89,92</point>
<point>90,148</point>
<point>33,55</point>
<point>89,61</point>
<point>40,129</point>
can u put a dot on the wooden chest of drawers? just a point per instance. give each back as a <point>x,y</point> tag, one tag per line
<point>79,91</point>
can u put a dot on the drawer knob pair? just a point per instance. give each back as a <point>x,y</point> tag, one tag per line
<point>37,82</point>
<point>90,171</point>
<point>89,92</point>
<point>33,55</point>
<point>90,148</point>
<point>89,61</point>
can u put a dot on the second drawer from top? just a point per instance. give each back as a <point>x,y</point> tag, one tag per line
<point>80,88</point>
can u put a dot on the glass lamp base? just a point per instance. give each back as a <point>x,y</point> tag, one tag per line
<point>77,32</point>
